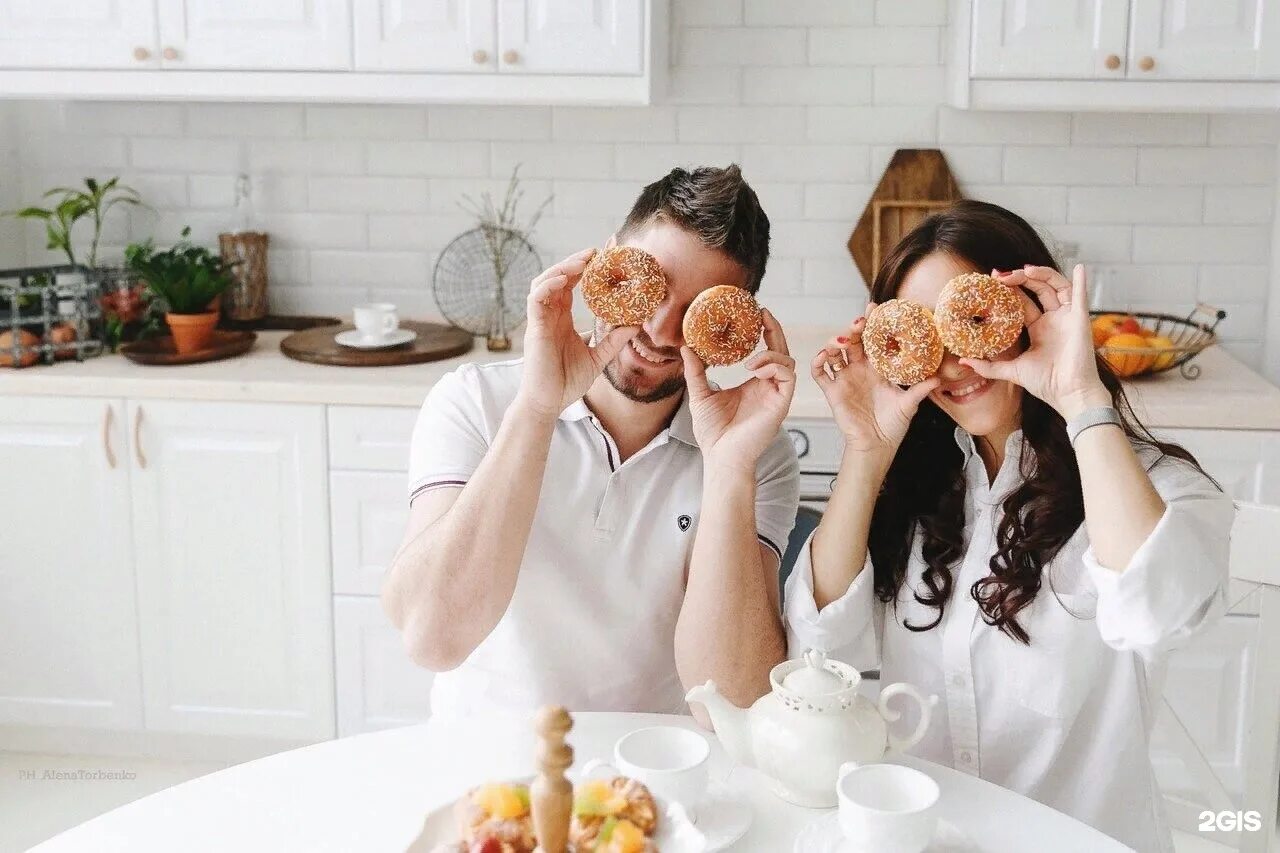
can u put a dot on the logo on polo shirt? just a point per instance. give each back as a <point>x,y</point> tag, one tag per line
<point>684,521</point>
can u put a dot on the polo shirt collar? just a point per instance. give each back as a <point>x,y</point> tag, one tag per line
<point>680,428</point>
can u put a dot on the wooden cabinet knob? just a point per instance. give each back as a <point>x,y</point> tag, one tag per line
<point>141,54</point>
<point>480,57</point>
<point>510,57</point>
<point>1112,62</point>
<point>170,53</point>
<point>1146,63</point>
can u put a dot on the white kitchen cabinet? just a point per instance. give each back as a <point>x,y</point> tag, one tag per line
<point>1056,39</point>
<point>77,34</point>
<point>69,635</point>
<point>250,34</point>
<point>368,512</point>
<point>571,36</point>
<point>1205,40</point>
<point>458,36</point>
<point>378,686</point>
<point>230,529</point>
<point>1246,463</point>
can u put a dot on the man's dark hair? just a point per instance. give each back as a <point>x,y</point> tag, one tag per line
<point>715,204</point>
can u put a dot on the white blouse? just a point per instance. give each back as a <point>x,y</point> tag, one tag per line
<point>1067,719</point>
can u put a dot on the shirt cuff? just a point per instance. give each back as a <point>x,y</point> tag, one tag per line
<point>842,623</point>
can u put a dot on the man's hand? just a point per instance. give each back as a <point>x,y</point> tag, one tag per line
<point>735,425</point>
<point>559,366</point>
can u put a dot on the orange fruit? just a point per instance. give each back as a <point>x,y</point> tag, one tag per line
<point>1128,363</point>
<point>26,342</point>
<point>1160,342</point>
<point>1106,325</point>
<point>500,801</point>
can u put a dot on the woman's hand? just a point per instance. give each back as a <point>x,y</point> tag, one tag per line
<point>559,366</point>
<point>1060,366</point>
<point>872,412</point>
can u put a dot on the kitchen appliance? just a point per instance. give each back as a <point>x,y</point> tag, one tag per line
<point>818,446</point>
<point>50,313</point>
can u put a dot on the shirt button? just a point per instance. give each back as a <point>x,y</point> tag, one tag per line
<point>957,680</point>
<point>966,757</point>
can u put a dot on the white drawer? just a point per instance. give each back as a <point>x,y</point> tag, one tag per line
<point>368,511</point>
<point>370,438</point>
<point>817,441</point>
<point>377,686</point>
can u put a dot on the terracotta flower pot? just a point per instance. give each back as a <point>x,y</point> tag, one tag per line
<point>191,332</point>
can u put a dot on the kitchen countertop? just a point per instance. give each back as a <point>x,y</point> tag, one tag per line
<point>1228,395</point>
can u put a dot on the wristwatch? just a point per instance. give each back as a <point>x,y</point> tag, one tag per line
<point>1091,418</point>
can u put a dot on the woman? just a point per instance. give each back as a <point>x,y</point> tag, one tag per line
<point>970,547</point>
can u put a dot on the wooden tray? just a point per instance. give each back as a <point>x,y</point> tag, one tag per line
<point>160,351</point>
<point>434,342</point>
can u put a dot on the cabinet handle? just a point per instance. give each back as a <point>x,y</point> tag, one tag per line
<point>141,54</point>
<point>1112,62</point>
<point>1146,63</point>
<point>170,53</point>
<point>480,57</point>
<point>137,439</point>
<point>106,436</point>
<point>510,57</point>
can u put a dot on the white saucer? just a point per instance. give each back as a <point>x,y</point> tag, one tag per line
<point>356,339</point>
<point>824,836</point>
<point>721,822</point>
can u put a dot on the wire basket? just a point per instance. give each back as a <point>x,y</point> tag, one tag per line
<point>1188,337</point>
<point>50,313</point>
<point>481,281</point>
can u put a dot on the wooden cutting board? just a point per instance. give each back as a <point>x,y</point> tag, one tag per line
<point>916,183</point>
<point>434,342</point>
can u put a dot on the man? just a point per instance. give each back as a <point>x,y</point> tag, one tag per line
<point>594,525</point>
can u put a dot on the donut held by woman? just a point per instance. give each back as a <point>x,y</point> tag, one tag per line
<point>901,342</point>
<point>978,317</point>
<point>623,285</point>
<point>723,324</point>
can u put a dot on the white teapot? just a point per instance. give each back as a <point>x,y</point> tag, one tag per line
<point>813,722</point>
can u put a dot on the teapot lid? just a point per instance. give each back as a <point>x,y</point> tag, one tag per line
<point>814,679</point>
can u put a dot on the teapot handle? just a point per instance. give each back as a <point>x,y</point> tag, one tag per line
<point>901,744</point>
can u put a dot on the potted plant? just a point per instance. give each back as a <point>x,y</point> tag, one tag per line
<point>73,204</point>
<point>187,279</point>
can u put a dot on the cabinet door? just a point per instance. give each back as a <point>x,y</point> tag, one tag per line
<point>1048,39</point>
<point>249,34</point>
<point>1246,463</point>
<point>1205,40</point>
<point>571,36</point>
<point>1207,685</point>
<point>368,512</point>
<point>69,641</point>
<point>378,686</point>
<point>425,35</point>
<point>231,529</point>
<point>77,34</point>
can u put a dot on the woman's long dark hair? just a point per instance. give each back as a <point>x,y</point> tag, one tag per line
<point>925,486</point>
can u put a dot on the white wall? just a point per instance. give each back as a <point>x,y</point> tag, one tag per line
<point>12,250</point>
<point>810,96</point>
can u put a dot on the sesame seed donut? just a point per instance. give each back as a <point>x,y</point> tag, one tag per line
<point>901,342</point>
<point>978,317</point>
<point>623,285</point>
<point>723,324</point>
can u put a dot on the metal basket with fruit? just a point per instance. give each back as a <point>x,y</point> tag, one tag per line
<point>1135,343</point>
<point>49,314</point>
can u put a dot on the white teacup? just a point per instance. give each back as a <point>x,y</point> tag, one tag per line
<point>376,320</point>
<point>669,760</point>
<point>887,808</point>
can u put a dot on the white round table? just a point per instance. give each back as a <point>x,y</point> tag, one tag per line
<point>371,793</point>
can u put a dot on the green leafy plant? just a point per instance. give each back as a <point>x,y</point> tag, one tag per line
<point>74,204</point>
<point>185,277</point>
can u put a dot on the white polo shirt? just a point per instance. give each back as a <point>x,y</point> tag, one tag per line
<point>591,624</point>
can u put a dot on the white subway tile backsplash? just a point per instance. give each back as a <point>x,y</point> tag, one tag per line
<point>205,191</point>
<point>432,159</point>
<point>1238,205</point>
<point>74,152</point>
<point>1101,205</point>
<point>706,13</point>
<point>875,46</point>
<point>553,160</point>
<point>1244,129</point>
<point>185,154</point>
<point>897,13</point>
<point>163,191</point>
<point>1098,243</point>
<point>375,195</point>
<point>448,193</point>
<point>782,277</point>
<point>815,13</point>
<point>646,163</point>
<point>1201,244</point>
<point>803,238</point>
<point>309,156</point>
<point>587,198</point>
<point>1079,166</point>
<point>359,121</point>
<point>836,201</point>
<point>1039,205</point>
<point>908,84</point>
<point>606,124</point>
<point>732,124</point>
<point>1217,283</point>
<point>489,123</point>
<point>310,299</point>
<point>240,121</point>
<point>780,200</point>
<point>326,230</point>
<point>1139,129</point>
<point>971,164</point>
<point>805,163</point>
<point>371,269</point>
<point>109,118</point>
<point>429,232</point>
<point>779,85</point>
<point>833,277</point>
<point>1223,166</point>
<point>703,85</point>
<point>914,127</point>
<point>997,128</point>
<point>288,267</point>
<point>1119,286</point>
<point>739,46</point>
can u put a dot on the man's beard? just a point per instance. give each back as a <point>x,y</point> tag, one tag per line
<point>627,388</point>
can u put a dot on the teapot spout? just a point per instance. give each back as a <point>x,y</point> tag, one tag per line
<point>730,722</point>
